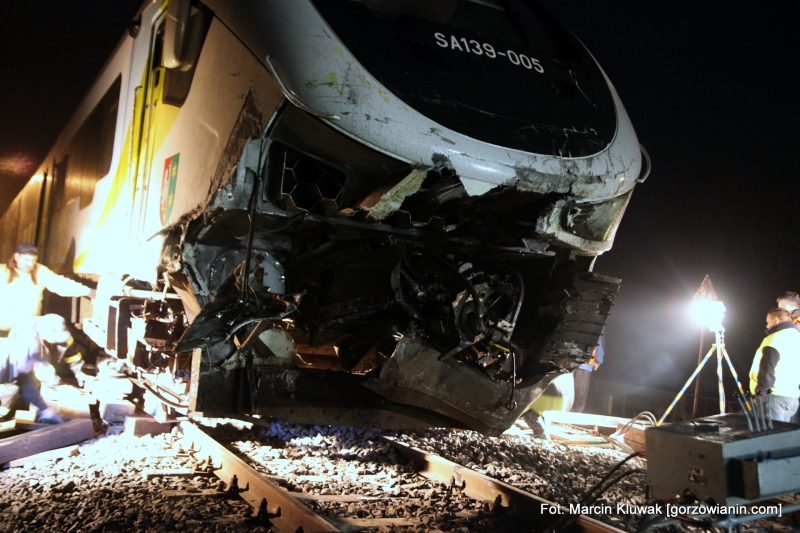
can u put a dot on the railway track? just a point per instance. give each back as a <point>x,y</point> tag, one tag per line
<point>288,512</point>
<point>290,477</point>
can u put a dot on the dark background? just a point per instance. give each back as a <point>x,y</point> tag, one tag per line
<point>50,52</point>
<point>711,88</point>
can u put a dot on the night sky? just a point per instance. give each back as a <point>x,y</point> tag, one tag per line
<point>50,52</point>
<point>711,88</point>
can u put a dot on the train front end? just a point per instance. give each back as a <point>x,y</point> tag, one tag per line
<point>410,240</point>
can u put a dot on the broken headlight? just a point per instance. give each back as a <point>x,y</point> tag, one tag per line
<point>596,222</point>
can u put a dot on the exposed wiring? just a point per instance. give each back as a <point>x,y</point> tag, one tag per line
<point>245,322</point>
<point>521,298</point>
<point>161,398</point>
<point>245,294</point>
<point>644,415</point>
<point>512,404</point>
<point>146,385</point>
<point>480,308</point>
<point>296,218</point>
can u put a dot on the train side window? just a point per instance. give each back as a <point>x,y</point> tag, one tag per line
<point>178,81</point>
<point>90,149</point>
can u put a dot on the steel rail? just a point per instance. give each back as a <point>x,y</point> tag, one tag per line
<point>535,511</point>
<point>294,515</point>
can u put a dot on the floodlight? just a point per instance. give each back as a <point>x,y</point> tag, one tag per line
<point>708,313</point>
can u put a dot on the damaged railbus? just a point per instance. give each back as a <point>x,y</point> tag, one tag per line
<point>380,213</point>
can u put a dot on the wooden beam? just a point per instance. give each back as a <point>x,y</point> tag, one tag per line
<point>45,439</point>
<point>25,417</point>
<point>58,453</point>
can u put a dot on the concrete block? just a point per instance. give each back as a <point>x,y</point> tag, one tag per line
<point>115,411</point>
<point>140,425</point>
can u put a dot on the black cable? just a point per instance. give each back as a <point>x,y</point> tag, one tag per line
<point>480,308</point>
<point>521,297</point>
<point>568,519</point>
<point>250,234</point>
<point>160,397</point>
<point>609,474</point>
<point>296,218</point>
<point>615,480</point>
<point>650,523</point>
<point>247,321</point>
<point>407,266</point>
<point>511,404</point>
<point>155,393</point>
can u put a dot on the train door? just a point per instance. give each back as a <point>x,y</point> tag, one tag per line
<point>155,118</point>
<point>177,39</point>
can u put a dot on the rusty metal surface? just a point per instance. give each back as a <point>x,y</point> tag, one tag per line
<point>521,504</point>
<point>294,515</point>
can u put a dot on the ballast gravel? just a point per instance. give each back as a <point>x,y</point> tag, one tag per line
<point>106,488</point>
<point>122,483</point>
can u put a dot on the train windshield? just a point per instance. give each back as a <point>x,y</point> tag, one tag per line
<point>501,71</point>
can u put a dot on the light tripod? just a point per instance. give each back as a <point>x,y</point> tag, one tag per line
<point>719,348</point>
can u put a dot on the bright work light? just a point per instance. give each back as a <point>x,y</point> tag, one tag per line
<point>708,313</point>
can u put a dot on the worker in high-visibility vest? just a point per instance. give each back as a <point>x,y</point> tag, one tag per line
<point>583,375</point>
<point>557,396</point>
<point>23,281</point>
<point>791,302</point>
<point>775,371</point>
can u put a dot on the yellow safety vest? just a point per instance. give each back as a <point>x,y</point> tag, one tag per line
<point>593,359</point>
<point>787,371</point>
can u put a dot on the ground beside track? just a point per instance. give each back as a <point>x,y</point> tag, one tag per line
<point>106,487</point>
